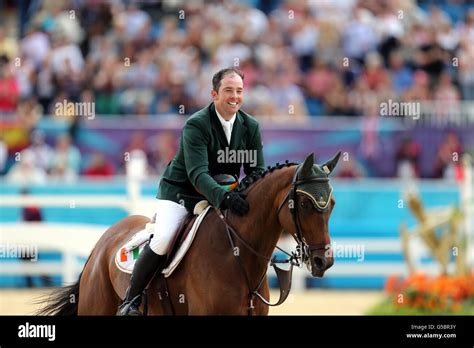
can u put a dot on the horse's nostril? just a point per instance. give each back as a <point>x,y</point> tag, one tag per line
<point>319,262</point>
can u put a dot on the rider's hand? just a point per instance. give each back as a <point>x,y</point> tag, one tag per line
<point>236,203</point>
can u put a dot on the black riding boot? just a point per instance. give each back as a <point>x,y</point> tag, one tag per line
<point>146,266</point>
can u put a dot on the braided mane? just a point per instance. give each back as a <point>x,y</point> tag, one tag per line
<point>256,175</point>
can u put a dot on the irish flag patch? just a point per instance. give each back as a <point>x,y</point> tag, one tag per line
<point>125,259</point>
<point>126,256</point>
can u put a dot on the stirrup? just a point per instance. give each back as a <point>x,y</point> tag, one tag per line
<point>130,307</point>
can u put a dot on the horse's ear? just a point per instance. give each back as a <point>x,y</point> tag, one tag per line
<point>329,166</point>
<point>307,167</point>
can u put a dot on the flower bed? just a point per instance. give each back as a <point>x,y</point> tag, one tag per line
<point>423,295</point>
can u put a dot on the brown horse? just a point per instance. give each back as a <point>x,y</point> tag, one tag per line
<point>210,279</point>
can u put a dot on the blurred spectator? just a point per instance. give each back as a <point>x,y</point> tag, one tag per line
<point>259,101</point>
<point>370,137</point>
<point>374,73</point>
<point>25,76</point>
<point>446,92</point>
<point>66,56</point>
<point>36,45</point>
<point>46,84</point>
<point>288,96</point>
<point>105,83</point>
<point>319,79</point>
<point>135,21</point>
<point>448,158</point>
<point>162,149</point>
<point>349,170</point>
<point>361,99</point>
<point>466,67</point>
<point>25,172</point>
<point>31,213</point>
<point>359,36</point>
<point>9,88</point>
<point>42,152</point>
<point>137,142</point>
<point>336,100</point>
<point>446,95</point>
<point>466,55</point>
<point>8,45</point>
<point>29,112</point>
<point>420,89</point>
<point>136,145</point>
<point>99,167</point>
<point>401,76</point>
<point>66,160</point>
<point>407,159</point>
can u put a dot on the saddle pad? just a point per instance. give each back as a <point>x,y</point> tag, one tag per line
<point>127,255</point>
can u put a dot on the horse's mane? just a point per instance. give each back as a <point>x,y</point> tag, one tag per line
<point>256,175</point>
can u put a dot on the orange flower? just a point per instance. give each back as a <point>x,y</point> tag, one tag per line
<point>392,284</point>
<point>419,302</point>
<point>441,292</point>
<point>431,304</point>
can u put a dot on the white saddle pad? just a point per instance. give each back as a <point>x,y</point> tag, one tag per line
<point>127,255</point>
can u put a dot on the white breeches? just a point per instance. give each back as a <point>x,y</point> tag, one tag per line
<point>169,215</point>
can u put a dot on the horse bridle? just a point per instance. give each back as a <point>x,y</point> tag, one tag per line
<point>304,248</point>
<point>297,258</point>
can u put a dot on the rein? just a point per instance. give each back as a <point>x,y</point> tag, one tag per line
<point>284,276</point>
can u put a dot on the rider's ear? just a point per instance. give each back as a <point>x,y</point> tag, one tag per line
<point>331,164</point>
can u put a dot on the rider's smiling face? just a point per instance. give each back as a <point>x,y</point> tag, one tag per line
<point>230,96</point>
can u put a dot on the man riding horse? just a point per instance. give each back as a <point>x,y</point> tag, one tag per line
<point>206,133</point>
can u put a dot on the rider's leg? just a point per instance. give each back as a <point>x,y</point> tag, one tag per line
<point>152,258</point>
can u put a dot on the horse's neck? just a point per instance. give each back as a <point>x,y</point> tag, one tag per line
<point>264,230</point>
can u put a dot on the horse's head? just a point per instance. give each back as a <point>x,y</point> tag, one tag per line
<point>310,204</point>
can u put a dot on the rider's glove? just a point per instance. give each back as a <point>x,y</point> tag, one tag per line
<point>236,203</point>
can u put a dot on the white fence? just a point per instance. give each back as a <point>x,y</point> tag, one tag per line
<point>72,240</point>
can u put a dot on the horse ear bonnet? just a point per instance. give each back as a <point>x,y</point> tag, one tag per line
<point>319,192</point>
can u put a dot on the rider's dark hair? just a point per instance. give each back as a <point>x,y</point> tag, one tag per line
<point>218,76</point>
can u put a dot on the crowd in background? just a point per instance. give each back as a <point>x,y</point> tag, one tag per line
<point>300,59</point>
<point>321,57</point>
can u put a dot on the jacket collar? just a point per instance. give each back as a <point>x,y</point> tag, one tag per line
<point>238,130</point>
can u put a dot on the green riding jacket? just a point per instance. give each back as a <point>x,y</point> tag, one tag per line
<point>202,154</point>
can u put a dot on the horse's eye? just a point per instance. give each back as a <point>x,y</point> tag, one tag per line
<point>304,205</point>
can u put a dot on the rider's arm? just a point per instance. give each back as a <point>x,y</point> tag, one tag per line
<point>195,141</point>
